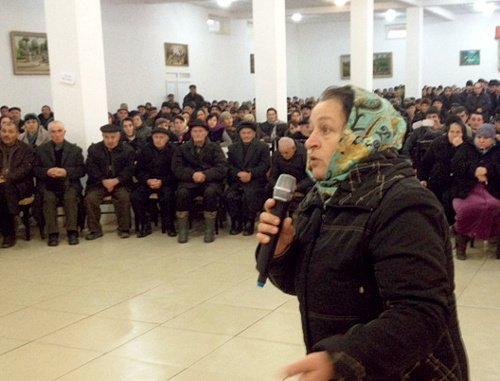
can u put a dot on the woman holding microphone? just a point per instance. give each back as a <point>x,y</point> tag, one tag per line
<point>369,256</point>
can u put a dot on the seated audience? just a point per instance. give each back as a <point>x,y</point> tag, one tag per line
<point>272,128</point>
<point>419,140</point>
<point>58,168</point>
<point>16,180</point>
<point>435,171</point>
<point>180,131</point>
<point>129,135</point>
<point>154,175</point>
<point>479,101</point>
<point>15,115</point>
<point>110,168</point>
<point>121,114</point>
<point>476,120</point>
<point>46,116</point>
<point>217,132</point>
<point>476,189</point>
<point>34,134</point>
<point>226,119</point>
<point>201,167</point>
<point>289,158</point>
<point>142,130</point>
<point>248,161</point>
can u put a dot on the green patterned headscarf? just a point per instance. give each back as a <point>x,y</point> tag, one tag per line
<point>373,125</point>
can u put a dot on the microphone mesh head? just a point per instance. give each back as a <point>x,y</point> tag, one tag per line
<point>284,188</point>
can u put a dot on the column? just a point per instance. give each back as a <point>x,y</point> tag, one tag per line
<point>362,43</point>
<point>270,57</point>
<point>414,40</point>
<point>77,76</point>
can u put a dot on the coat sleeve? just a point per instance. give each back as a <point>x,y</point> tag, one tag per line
<point>263,164</point>
<point>428,161</point>
<point>76,169</point>
<point>169,177</point>
<point>412,262</point>
<point>23,168</point>
<point>39,168</point>
<point>232,167</point>
<point>181,171</point>
<point>127,172</point>
<point>218,171</point>
<point>92,164</point>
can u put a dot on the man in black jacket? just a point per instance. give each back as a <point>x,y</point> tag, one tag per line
<point>154,173</point>
<point>479,101</point>
<point>58,168</point>
<point>110,167</point>
<point>290,158</point>
<point>16,179</point>
<point>201,167</point>
<point>248,161</point>
<point>193,96</point>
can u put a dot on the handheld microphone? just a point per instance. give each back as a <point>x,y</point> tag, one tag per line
<point>283,194</point>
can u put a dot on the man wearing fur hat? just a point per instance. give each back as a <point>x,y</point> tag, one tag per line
<point>248,161</point>
<point>110,168</point>
<point>201,167</point>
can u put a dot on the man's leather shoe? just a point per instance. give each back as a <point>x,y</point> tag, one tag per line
<point>53,240</point>
<point>93,235</point>
<point>73,238</point>
<point>144,231</point>
<point>123,233</point>
<point>8,241</point>
<point>248,228</point>
<point>171,231</point>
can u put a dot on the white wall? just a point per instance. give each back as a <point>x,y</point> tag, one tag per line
<point>219,64</point>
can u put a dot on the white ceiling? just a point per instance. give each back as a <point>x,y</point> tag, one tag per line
<point>314,9</point>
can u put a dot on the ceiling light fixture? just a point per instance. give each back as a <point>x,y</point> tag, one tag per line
<point>390,15</point>
<point>224,3</point>
<point>296,17</point>
<point>339,3</point>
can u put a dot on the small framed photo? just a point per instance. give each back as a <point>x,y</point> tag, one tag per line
<point>345,66</point>
<point>382,65</point>
<point>252,63</point>
<point>176,54</point>
<point>469,57</point>
<point>30,53</point>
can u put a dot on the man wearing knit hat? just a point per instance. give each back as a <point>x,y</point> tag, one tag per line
<point>200,167</point>
<point>34,134</point>
<point>249,162</point>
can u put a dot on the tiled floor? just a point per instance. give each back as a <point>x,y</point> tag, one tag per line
<point>151,309</point>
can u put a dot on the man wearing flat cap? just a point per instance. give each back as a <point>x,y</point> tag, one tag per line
<point>200,167</point>
<point>110,168</point>
<point>154,173</point>
<point>249,161</point>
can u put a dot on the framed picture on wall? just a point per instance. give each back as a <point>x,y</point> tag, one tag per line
<point>176,54</point>
<point>469,57</point>
<point>345,66</point>
<point>252,63</point>
<point>382,65</point>
<point>30,54</point>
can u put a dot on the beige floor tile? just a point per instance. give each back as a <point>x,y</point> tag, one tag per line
<point>247,294</point>
<point>108,368</point>
<point>7,345</point>
<point>152,309</point>
<point>198,375</point>
<point>6,309</point>
<point>481,333</point>
<point>173,347</point>
<point>282,327</point>
<point>482,290</point>
<point>98,334</point>
<point>28,293</point>
<point>217,318</point>
<point>41,362</point>
<point>87,300</point>
<point>33,323</point>
<point>242,357</point>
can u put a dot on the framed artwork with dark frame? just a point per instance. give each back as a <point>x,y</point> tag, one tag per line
<point>176,54</point>
<point>252,63</point>
<point>30,53</point>
<point>382,65</point>
<point>470,57</point>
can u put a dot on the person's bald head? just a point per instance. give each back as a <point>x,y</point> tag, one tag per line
<point>57,131</point>
<point>287,147</point>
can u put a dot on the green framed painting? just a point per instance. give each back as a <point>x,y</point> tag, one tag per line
<point>30,53</point>
<point>470,57</point>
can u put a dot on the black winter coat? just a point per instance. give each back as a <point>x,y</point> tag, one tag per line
<point>373,271</point>
<point>265,130</point>
<point>21,166</point>
<point>257,162</point>
<point>464,165</point>
<point>436,166</point>
<point>71,161</point>
<point>481,101</point>
<point>153,163</point>
<point>211,161</point>
<point>295,167</point>
<point>122,164</point>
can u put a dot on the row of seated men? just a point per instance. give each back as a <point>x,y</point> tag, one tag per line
<point>176,173</point>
